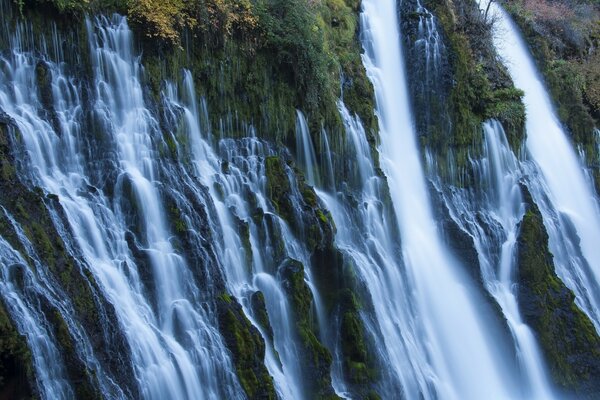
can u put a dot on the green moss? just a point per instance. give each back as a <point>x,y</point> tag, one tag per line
<point>247,349</point>
<point>481,89</point>
<point>316,357</point>
<point>259,310</point>
<point>226,298</point>
<point>567,336</point>
<point>278,187</point>
<point>16,368</point>
<point>358,366</point>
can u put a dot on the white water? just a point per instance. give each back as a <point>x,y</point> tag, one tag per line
<point>365,235</point>
<point>16,280</point>
<point>466,357</point>
<point>238,194</point>
<point>565,197</point>
<point>490,213</point>
<point>305,151</point>
<point>176,352</point>
<point>246,272</point>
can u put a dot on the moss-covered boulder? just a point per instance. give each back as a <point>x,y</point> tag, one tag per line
<point>567,337</point>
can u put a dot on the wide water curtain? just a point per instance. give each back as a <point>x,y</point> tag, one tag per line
<point>296,200</point>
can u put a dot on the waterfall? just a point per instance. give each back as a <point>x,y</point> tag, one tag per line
<point>238,193</point>
<point>176,350</point>
<point>305,151</point>
<point>464,354</point>
<point>556,180</point>
<point>17,282</point>
<point>163,221</point>
<point>490,213</point>
<point>366,235</point>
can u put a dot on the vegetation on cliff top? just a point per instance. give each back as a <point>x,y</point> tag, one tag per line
<point>298,51</point>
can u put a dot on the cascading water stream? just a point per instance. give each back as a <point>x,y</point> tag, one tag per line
<point>305,150</point>
<point>238,193</point>
<point>183,371</point>
<point>242,282</point>
<point>365,235</point>
<point>557,181</point>
<point>490,213</point>
<point>465,356</point>
<point>175,351</point>
<point>16,280</point>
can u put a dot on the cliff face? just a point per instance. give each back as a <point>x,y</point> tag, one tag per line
<point>253,74</point>
<point>457,82</point>
<point>254,65</point>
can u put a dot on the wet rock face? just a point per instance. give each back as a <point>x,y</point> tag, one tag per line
<point>568,339</point>
<point>429,68</point>
<point>31,209</point>
<point>247,349</point>
<point>316,358</point>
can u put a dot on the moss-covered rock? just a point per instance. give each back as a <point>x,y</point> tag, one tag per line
<point>247,349</point>
<point>16,369</point>
<point>316,358</point>
<point>259,310</point>
<point>278,187</point>
<point>358,366</point>
<point>568,339</point>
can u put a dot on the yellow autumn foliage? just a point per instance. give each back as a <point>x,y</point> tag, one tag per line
<point>229,16</point>
<point>163,19</point>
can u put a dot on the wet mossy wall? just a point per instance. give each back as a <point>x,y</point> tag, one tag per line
<point>300,55</point>
<point>564,39</point>
<point>567,337</point>
<point>30,208</point>
<point>471,84</point>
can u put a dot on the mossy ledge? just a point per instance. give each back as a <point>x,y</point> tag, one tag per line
<point>255,61</point>
<point>567,337</point>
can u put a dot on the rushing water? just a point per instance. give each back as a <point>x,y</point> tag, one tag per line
<point>557,181</point>
<point>490,213</point>
<point>366,234</point>
<point>461,343</point>
<point>176,351</point>
<point>167,218</point>
<point>238,193</point>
